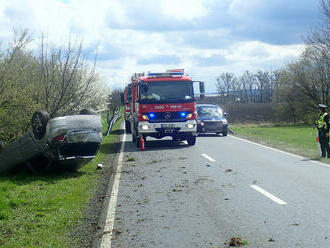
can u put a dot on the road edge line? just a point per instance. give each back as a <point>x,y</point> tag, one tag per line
<point>107,217</point>
<point>276,149</point>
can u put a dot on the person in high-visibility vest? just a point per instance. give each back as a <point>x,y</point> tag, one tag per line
<point>322,125</point>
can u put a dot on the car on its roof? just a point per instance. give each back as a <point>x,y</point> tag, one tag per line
<point>211,119</point>
<point>64,143</point>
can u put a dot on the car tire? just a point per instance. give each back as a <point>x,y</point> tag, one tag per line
<point>39,123</point>
<point>2,145</point>
<point>224,133</point>
<point>191,140</point>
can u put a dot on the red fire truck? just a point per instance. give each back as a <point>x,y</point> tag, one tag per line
<point>163,104</point>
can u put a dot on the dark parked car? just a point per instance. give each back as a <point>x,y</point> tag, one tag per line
<point>66,142</point>
<point>211,119</point>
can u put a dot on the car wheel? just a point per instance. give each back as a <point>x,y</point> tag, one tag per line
<point>39,122</point>
<point>191,140</point>
<point>224,133</point>
<point>2,145</point>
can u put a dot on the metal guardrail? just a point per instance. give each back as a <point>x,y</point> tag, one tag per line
<point>112,121</point>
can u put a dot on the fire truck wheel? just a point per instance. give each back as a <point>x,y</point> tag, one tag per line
<point>137,141</point>
<point>127,127</point>
<point>191,140</point>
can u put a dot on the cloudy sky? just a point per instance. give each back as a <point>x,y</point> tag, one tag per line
<point>205,37</point>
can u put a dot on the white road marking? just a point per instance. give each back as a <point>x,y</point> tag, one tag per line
<point>267,194</point>
<point>208,157</point>
<point>110,218</point>
<point>288,153</point>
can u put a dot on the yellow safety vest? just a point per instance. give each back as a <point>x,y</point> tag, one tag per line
<point>321,123</point>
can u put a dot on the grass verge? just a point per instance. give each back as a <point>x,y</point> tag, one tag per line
<point>40,211</point>
<point>300,140</point>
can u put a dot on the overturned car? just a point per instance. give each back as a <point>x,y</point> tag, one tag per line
<point>61,143</point>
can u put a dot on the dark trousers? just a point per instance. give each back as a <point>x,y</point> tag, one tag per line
<point>324,143</point>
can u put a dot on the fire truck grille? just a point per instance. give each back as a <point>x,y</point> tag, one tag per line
<point>167,117</point>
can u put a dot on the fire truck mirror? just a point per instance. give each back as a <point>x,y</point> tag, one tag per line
<point>201,89</point>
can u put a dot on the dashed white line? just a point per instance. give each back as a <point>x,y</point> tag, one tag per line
<point>208,157</point>
<point>267,194</point>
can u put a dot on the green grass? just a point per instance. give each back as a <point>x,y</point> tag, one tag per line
<point>40,211</point>
<point>300,140</point>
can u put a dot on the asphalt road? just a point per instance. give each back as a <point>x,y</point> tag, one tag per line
<point>175,195</point>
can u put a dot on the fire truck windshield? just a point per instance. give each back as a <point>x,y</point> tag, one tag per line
<point>166,92</point>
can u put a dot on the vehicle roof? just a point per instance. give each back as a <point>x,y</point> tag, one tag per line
<point>208,105</point>
<point>158,79</point>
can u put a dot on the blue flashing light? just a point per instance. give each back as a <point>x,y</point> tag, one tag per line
<point>183,114</point>
<point>152,115</point>
<point>176,73</point>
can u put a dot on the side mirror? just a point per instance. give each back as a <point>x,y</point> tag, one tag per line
<point>201,90</point>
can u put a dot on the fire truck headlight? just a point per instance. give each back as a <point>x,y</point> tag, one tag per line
<point>202,123</point>
<point>144,127</point>
<point>190,125</point>
<point>145,117</point>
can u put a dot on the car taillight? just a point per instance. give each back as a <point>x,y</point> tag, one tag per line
<point>59,138</point>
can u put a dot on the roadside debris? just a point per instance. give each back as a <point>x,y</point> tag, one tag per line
<point>130,159</point>
<point>229,170</point>
<point>99,167</point>
<point>271,240</point>
<point>237,242</point>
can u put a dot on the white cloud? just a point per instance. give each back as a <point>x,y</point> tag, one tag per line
<point>206,37</point>
<point>184,9</point>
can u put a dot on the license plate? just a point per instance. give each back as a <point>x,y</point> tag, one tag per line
<point>167,125</point>
<point>169,130</point>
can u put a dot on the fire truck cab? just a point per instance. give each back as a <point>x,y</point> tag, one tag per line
<point>163,104</point>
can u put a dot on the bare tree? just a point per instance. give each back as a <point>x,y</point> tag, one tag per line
<point>225,85</point>
<point>67,80</point>
<point>114,100</point>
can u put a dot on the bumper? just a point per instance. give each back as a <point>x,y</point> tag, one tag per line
<point>211,127</point>
<point>167,129</point>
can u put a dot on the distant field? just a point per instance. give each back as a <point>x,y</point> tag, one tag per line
<point>40,211</point>
<point>300,140</point>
